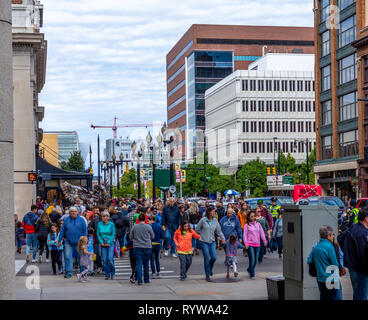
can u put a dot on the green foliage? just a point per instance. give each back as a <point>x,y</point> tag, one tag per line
<point>127,182</point>
<point>252,176</point>
<point>75,163</point>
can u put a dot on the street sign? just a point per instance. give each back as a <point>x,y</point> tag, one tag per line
<point>289,180</point>
<point>177,166</point>
<point>177,174</point>
<point>172,189</point>
<point>274,181</point>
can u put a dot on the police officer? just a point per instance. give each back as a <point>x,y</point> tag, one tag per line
<point>274,209</point>
<point>354,212</point>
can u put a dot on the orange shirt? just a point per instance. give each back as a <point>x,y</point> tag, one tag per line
<point>184,242</point>
<point>242,218</point>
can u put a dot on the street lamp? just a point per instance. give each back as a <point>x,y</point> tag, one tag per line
<point>153,165</point>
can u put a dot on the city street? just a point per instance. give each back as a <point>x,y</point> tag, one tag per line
<point>167,287</point>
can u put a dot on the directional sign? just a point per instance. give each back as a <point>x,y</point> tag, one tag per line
<point>172,189</point>
<point>177,166</point>
<point>177,174</point>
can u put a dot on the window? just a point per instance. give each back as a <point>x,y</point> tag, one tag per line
<point>285,147</point>
<point>254,147</point>
<point>260,85</point>
<point>293,126</point>
<point>176,88</point>
<point>347,31</point>
<point>245,106</point>
<point>268,85</point>
<point>269,126</point>
<point>285,126</point>
<point>174,104</point>
<point>262,147</point>
<point>292,85</point>
<point>261,126</point>
<point>314,106</point>
<point>308,106</point>
<point>348,143</point>
<point>245,126</point>
<point>276,85</point>
<point>345,3</point>
<point>300,106</point>
<point>300,126</point>
<point>284,106</point>
<point>269,106</point>
<point>308,126</point>
<point>347,69</point>
<point>253,85</point>
<point>366,68</point>
<point>325,40</point>
<point>325,10</point>
<point>253,106</point>
<point>308,86</point>
<point>326,113</point>
<point>180,54</point>
<point>253,126</point>
<point>348,108</point>
<point>245,147</point>
<point>245,85</point>
<point>284,85</point>
<point>260,106</point>
<point>292,106</point>
<point>175,74</point>
<point>277,126</point>
<point>300,85</point>
<point>269,147</point>
<point>326,147</point>
<point>277,106</point>
<point>326,78</point>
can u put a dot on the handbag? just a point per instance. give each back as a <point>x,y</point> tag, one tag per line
<point>273,244</point>
<point>312,269</point>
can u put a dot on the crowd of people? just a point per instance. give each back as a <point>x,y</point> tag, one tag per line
<point>77,236</point>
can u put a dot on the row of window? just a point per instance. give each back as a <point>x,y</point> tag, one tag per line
<point>180,54</point>
<point>348,145</point>
<point>347,71</point>
<point>348,108</point>
<point>277,85</point>
<point>279,126</point>
<point>270,147</point>
<point>325,7</point>
<point>278,106</point>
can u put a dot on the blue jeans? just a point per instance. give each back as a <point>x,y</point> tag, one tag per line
<point>31,239</point>
<point>19,244</point>
<point>329,294</point>
<point>195,242</point>
<point>121,243</point>
<point>253,253</point>
<point>170,240</point>
<point>98,254</point>
<point>279,245</point>
<point>360,285</point>
<point>108,260</point>
<point>61,252</point>
<point>142,256</point>
<point>155,258</point>
<point>68,256</point>
<point>209,256</point>
<point>262,251</point>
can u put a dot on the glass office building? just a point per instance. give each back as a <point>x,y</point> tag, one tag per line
<point>204,69</point>
<point>68,142</point>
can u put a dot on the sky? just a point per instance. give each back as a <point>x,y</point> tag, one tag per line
<point>107,58</point>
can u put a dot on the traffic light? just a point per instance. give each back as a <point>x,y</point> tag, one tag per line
<point>127,168</point>
<point>183,176</point>
<point>274,170</point>
<point>268,171</point>
<point>91,171</point>
<point>32,176</point>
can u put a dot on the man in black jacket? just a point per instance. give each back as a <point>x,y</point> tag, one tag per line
<point>93,224</point>
<point>354,243</point>
<point>121,222</point>
<point>170,223</point>
<point>54,216</point>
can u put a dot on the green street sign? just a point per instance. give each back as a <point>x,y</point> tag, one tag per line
<point>162,178</point>
<point>289,180</point>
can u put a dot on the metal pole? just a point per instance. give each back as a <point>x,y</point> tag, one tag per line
<point>90,157</point>
<point>204,167</point>
<point>139,179</point>
<point>278,160</point>
<point>7,274</point>
<point>117,174</point>
<point>98,160</point>
<point>307,161</point>
<point>111,166</point>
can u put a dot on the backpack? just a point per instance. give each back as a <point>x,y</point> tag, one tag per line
<point>312,269</point>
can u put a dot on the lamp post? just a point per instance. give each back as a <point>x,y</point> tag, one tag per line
<point>137,154</point>
<point>153,165</point>
<point>104,169</point>
<point>168,142</point>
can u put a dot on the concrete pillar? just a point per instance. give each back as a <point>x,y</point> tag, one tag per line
<point>7,248</point>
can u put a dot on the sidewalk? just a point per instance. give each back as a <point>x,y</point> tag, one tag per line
<point>195,287</point>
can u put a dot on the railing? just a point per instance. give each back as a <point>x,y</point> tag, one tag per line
<point>348,149</point>
<point>326,152</point>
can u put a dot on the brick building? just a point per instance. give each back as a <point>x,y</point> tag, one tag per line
<point>208,53</point>
<point>339,116</point>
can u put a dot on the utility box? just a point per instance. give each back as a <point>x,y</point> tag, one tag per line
<point>301,226</point>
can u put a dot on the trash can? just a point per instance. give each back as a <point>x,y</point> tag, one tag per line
<point>276,287</point>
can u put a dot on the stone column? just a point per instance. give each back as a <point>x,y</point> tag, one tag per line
<point>7,247</point>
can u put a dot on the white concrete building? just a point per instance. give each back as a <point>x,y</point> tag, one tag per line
<point>246,111</point>
<point>29,72</point>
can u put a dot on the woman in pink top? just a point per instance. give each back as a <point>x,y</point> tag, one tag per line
<point>253,235</point>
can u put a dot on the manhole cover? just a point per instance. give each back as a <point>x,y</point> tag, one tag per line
<point>226,280</point>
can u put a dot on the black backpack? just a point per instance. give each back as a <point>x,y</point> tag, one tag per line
<point>312,269</point>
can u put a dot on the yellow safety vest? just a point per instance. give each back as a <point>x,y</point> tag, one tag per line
<point>274,212</point>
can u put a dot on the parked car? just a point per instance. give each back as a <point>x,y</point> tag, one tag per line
<point>281,200</point>
<point>327,201</point>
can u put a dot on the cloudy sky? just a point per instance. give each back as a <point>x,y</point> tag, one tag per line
<point>107,58</point>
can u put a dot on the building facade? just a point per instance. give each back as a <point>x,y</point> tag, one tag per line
<point>257,112</point>
<point>207,54</point>
<point>339,117</point>
<point>29,72</point>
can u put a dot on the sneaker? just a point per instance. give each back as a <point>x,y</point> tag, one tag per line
<point>28,258</point>
<point>280,256</point>
<point>182,278</point>
<point>61,271</point>
<point>54,274</point>
<point>208,279</point>
<point>99,270</point>
<point>68,275</point>
<point>107,278</point>
<point>158,275</point>
<point>253,278</point>
<point>153,276</point>
<point>260,262</point>
<point>79,276</point>
<point>174,255</point>
<point>39,259</point>
<point>112,278</point>
<point>85,279</point>
<point>166,253</point>
<point>34,260</point>
<point>235,274</point>
<point>140,283</point>
<point>47,260</point>
<point>132,280</point>
<point>228,275</point>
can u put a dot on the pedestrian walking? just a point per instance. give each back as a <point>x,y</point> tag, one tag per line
<point>354,243</point>
<point>142,236</point>
<point>183,241</point>
<point>156,247</point>
<point>106,236</point>
<point>194,218</point>
<point>170,223</point>
<point>42,227</point>
<point>121,222</point>
<point>84,258</point>
<point>230,225</point>
<point>323,256</point>
<point>231,251</point>
<point>28,224</point>
<point>132,258</point>
<point>73,228</point>
<point>60,245</point>
<point>20,235</point>
<point>97,249</point>
<point>252,236</point>
<point>52,243</point>
<point>278,233</point>
<point>208,228</point>
<point>267,232</point>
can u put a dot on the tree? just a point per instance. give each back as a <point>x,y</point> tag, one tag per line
<point>252,176</point>
<point>75,163</point>
<point>312,162</point>
<point>127,182</point>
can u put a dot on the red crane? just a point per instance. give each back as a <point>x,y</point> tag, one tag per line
<point>115,127</point>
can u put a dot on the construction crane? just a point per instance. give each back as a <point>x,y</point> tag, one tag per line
<point>115,127</point>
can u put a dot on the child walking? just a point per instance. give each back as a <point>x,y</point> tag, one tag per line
<point>91,246</point>
<point>52,243</point>
<point>133,261</point>
<point>231,250</point>
<point>183,241</point>
<point>20,235</point>
<point>84,258</point>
